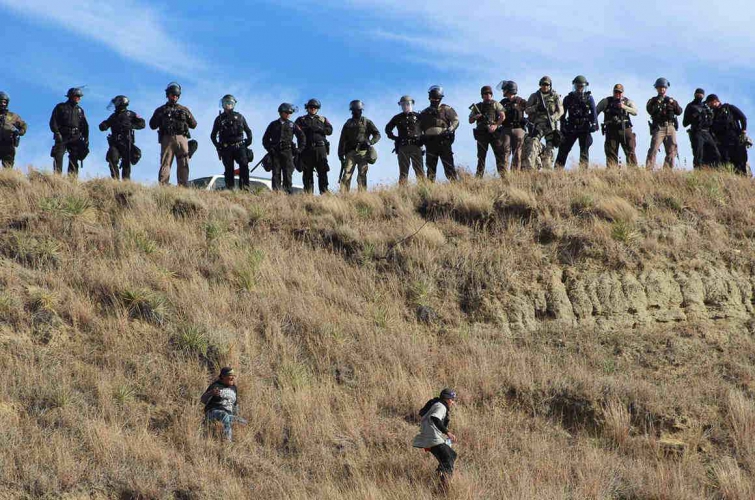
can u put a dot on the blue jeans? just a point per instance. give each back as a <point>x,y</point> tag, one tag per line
<point>227,419</point>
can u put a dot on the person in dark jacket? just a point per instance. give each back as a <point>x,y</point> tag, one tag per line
<point>434,425</point>
<point>278,141</point>
<point>122,149</point>
<point>221,402</point>
<point>730,131</point>
<point>579,121</point>
<point>227,135</point>
<point>315,156</point>
<point>699,118</point>
<point>70,130</point>
<point>408,141</point>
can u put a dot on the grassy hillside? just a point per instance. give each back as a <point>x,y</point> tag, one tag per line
<point>598,327</point>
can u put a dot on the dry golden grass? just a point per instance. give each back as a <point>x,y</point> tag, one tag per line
<point>118,303</point>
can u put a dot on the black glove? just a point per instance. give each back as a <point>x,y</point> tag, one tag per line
<point>57,137</point>
<point>248,142</point>
<point>342,158</point>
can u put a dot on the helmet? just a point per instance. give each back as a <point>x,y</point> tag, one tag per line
<point>228,100</point>
<point>173,89</point>
<point>287,108</point>
<point>662,82</point>
<point>546,80</point>
<point>580,80</point>
<point>314,103</point>
<point>486,89</point>
<point>406,98</point>
<point>74,92</point>
<point>119,101</point>
<point>448,394</point>
<point>4,98</point>
<point>435,92</point>
<point>508,86</point>
<point>356,105</point>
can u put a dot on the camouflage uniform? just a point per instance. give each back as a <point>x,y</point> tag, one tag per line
<point>492,115</point>
<point>544,111</point>
<point>438,132</point>
<point>11,128</point>
<point>408,144</point>
<point>357,135</point>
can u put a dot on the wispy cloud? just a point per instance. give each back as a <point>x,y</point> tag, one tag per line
<point>136,30</point>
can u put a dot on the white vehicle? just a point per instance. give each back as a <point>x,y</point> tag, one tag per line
<point>217,183</point>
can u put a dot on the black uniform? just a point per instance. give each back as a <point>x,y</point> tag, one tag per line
<point>699,117</point>
<point>278,141</point>
<point>439,126</point>
<point>408,144</point>
<point>71,133</point>
<point>121,141</point>
<point>314,158</point>
<point>579,121</point>
<point>727,127</point>
<point>228,137</point>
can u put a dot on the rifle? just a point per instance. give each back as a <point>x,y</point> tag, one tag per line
<point>551,123</point>
<point>258,164</point>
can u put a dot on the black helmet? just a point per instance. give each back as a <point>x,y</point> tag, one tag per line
<point>314,103</point>
<point>117,102</point>
<point>173,89</point>
<point>287,108</point>
<point>662,82</point>
<point>356,105</point>
<point>4,98</point>
<point>435,92</point>
<point>580,80</point>
<point>228,99</point>
<point>406,98</point>
<point>546,80</point>
<point>448,394</point>
<point>508,86</point>
<point>74,92</point>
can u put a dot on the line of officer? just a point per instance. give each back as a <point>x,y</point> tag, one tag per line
<point>488,114</point>
<point>579,121</point>
<point>11,128</point>
<point>121,147</point>
<point>231,137</point>
<point>514,124</point>
<point>617,127</point>
<point>439,123</point>
<point>70,130</point>
<point>172,122</point>
<point>278,141</point>
<point>355,147</point>
<point>314,158</point>
<point>408,141</point>
<point>699,118</point>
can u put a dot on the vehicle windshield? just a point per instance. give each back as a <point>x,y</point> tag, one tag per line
<point>200,183</point>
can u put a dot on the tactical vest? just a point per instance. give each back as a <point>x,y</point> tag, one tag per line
<point>408,126</point>
<point>724,122</point>
<point>435,118</point>
<point>662,110</point>
<point>356,130</point>
<point>551,104</point>
<point>704,118</point>
<point>489,113</point>
<point>313,127</point>
<point>123,122</point>
<point>69,119</point>
<point>579,110</point>
<point>614,116</point>
<point>231,129</point>
<point>173,121</point>
<point>514,110</point>
<point>6,127</point>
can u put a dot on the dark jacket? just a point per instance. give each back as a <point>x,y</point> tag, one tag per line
<point>122,123</point>
<point>315,128</point>
<point>357,132</point>
<point>728,121</point>
<point>698,115</point>
<point>69,121</point>
<point>279,136</point>
<point>172,119</point>
<point>226,401</point>
<point>407,125</point>
<point>663,110</point>
<point>229,129</point>
<point>514,108</point>
<point>580,114</point>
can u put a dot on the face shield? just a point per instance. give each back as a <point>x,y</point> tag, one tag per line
<point>406,106</point>
<point>227,104</point>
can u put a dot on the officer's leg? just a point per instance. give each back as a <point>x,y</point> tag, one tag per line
<point>73,161</point>
<point>655,143</point>
<point>506,140</point>
<point>431,150</point>
<point>403,163</point>
<point>517,141</point>
<point>417,162</point>
<point>166,159</point>
<point>669,144</point>
<point>629,144</point>
<point>697,146</point>
<point>501,160</point>
<point>482,152</point>
<point>182,160</point>
<point>8,156</point>
<point>308,170</point>
<point>243,161</point>
<point>611,149</point>
<point>362,175</point>
<point>276,164</point>
<point>226,157</point>
<point>348,171</point>
<point>567,143</point>
<point>321,160</point>
<point>710,154</point>
<point>58,150</point>
<point>532,147</point>
<point>740,158</point>
<point>585,141</point>
<point>447,157</point>
<point>287,170</point>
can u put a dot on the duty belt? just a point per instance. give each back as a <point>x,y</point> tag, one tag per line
<point>316,144</point>
<point>70,130</point>
<point>232,144</point>
<point>664,123</point>
<point>408,141</point>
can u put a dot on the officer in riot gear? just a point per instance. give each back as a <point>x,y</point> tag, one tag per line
<point>579,121</point>
<point>278,141</point>
<point>70,130</point>
<point>121,145</point>
<point>730,131</point>
<point>408,141</point>
<point>544,110</point>
<point>617,127</point>
<point>699,118</point>
<point>439,123</point>
<point>172,122</point>
<point>488,115</point>
<point>355,147</point>
<point>513,128</point>
<point>314,158</point>
<point>231,137</point>
<point>663,111</point>
<point>11,128</point>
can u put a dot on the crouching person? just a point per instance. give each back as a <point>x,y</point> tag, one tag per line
<point>221,402</point>
<point>433,426</point>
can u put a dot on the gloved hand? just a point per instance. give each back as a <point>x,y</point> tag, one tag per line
<point>58,137</point>
<point>342,158</point>
<point>248,142</point>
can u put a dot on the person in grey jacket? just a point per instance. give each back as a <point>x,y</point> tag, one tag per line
<point>221,402</point>
<point>433,426</point>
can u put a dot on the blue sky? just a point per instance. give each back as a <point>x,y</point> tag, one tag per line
<point>266,52</point>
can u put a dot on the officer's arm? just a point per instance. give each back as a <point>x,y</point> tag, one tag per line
<point>593,110</point>
<point>214,133</point>
<point>342,142</point>
<point>501,115</point>
<point>559,108</point>
<point>20,126</point>
<point>84,126</point>
<point>739,116</point>
<point>389,129</point>
<point>630,107</point>
<point>137,122</point>
<point>104,125</point>
<point>687,120</point>
<point>532,104</point>
<point>247,131</point>
<point>650,105</point>
<point>373,131</point>
<point>328,127</point>
<point>154,122</point>
<point>601,106</point>
<point>677,108</point>
<point>190,120</point>
<point>453,119</point>
<point>54,121</point>
<point>266,139</point>
<point>301,137</point>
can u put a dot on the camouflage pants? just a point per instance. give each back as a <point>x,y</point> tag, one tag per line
<point>8,155</point>
<point>665,135</point>
<point>174,146</point>
<point>625,139</point>
<point>410,153</point>
<point>536,155</point>
<point>355,160</point>
<point>512,141</point>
